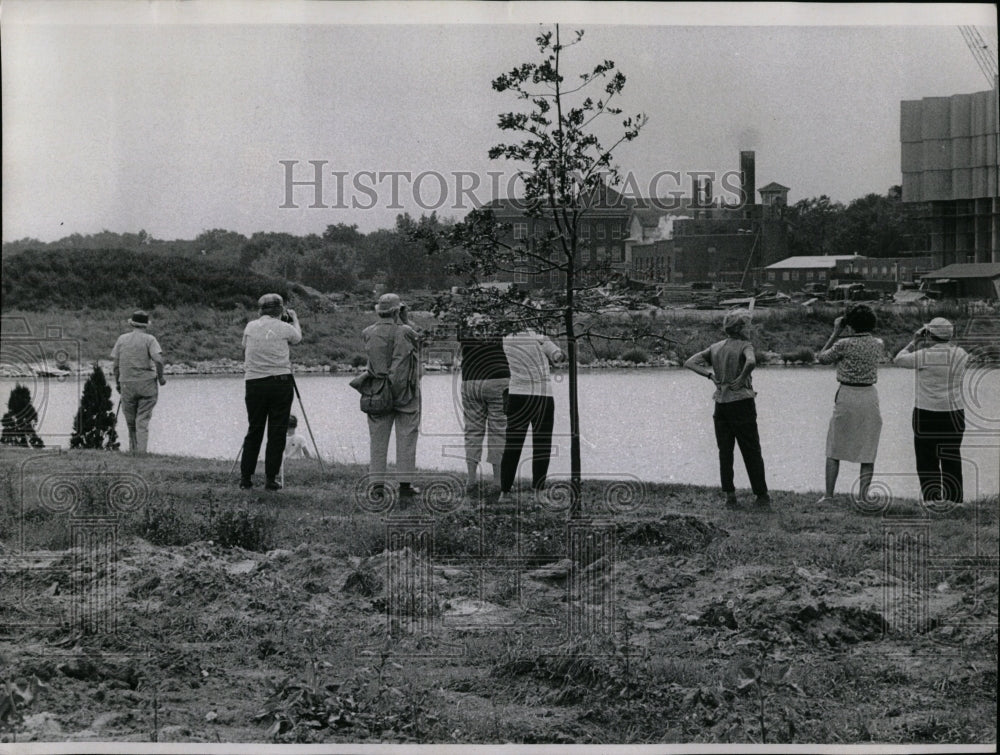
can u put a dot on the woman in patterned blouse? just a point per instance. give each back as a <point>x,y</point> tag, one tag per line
<point>856,424</point>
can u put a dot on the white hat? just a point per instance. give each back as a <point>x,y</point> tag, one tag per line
<point>940,328</point>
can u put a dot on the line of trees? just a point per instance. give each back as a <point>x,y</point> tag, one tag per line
<point>341,259</point>
<point>874,225</point>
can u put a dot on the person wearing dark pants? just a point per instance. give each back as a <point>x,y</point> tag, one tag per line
<point>529,402</point>
<point>939,409</point>
<point>269,404</point>
<point>728,364</point>
<point>937,443</point>
<point>270,387</point>
<point>736,423</point>
<point>522,411</point>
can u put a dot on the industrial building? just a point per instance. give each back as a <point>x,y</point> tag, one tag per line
<point>686,239</point>
<point>966,281</point>
<point>711,242</point>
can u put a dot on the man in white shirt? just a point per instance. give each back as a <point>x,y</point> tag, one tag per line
<point>269,387</point>
<point>529,402</point>
<point>938,408</point>
<point>138,367</point>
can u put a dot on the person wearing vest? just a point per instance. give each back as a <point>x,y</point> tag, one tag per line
<point>269,387</point>
<point>939,409</point>
<point>728,364</point>
<point>393,349</point>
<point>138,367</point>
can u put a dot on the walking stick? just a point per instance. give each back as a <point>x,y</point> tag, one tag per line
<point>308,427</point>
<point>236,461</point>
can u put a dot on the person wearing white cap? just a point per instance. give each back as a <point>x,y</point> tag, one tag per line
<point>938,410</point>
<point>392,347</point>
<point>269,387</point>
<point>728,364</point>
<point>138,367</point>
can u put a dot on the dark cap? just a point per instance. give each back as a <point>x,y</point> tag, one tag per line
<point>139,319</point>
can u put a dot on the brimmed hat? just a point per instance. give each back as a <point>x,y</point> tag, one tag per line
<point>940,328</point>
<point>388,303</point>
<point>737,319</point>
<point>139,319</point>
<point>271,301</point>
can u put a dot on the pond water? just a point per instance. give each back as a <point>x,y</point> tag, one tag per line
<point>651,424</point>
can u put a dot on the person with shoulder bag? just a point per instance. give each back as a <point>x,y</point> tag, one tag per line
<point>390,393</point>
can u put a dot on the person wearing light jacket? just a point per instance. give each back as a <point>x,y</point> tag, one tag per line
<point>529,403</point>
<point>939,409</point>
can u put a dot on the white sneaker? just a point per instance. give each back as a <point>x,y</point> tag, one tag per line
<point>502,498</point>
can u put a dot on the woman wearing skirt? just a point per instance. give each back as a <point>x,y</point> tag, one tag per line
<point>856,424</point>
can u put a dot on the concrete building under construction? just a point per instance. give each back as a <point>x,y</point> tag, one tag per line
<point>950,149</point>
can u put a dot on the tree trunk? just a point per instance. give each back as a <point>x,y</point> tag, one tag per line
<point>574,406</point>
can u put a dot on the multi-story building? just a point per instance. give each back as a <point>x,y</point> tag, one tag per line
<point>601,236</point>
<point>684,239</point>
<point>949,158</point>
<point>724,244</point>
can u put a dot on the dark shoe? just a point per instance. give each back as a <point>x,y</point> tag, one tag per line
<point>732,502</point>
<point>272,484</point>
<point>246,483</point>
<point>762,502</point>
<point>406,490</point>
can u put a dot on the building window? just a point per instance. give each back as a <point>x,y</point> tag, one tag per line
<point>585,231</point>
<point>771,275</point>
<point>795,275</point>
<point>616,231</point>
<point>784,275</point>
<point>822,275</point>
<point>520,230</point>
<point>600,230</point>
<point>885,270</point>
<point>809,275</point>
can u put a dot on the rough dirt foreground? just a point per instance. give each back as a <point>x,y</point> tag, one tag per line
<point>678,621</point>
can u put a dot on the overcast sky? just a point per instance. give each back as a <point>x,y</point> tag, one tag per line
<point>173,117</point>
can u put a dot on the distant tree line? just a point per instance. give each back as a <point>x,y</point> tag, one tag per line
<point>873,225</point>
<point>106,279</point>
<point>341,259</point>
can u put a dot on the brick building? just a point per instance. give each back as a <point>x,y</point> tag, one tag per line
<point>724,244</point>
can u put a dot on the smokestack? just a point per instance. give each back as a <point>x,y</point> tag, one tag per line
<point>748,178</point>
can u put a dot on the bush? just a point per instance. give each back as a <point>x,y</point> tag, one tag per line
<point>243,529</point>
<point>94,424</point>
<point>635,356</point>
<point>359,360</point>
<point>19,421</point>
<point>168,525</point>
<point>805,356</point>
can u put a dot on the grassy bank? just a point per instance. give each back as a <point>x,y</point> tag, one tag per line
<point>255,617</point>
<point>200,334</point>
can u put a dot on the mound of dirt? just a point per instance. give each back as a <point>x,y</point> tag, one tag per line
<point>672,533</point>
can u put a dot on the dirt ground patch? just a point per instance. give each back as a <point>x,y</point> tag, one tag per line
<point>695,621</point>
